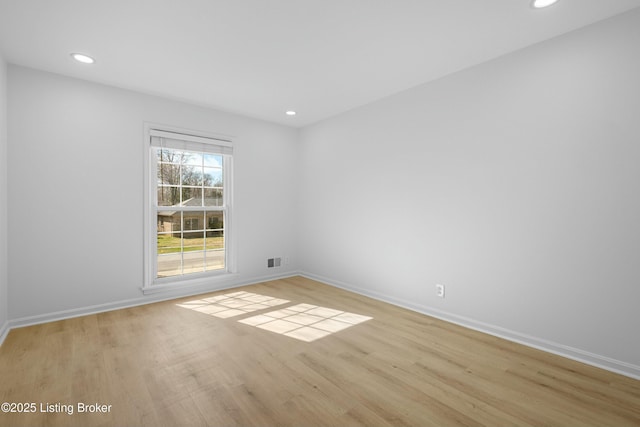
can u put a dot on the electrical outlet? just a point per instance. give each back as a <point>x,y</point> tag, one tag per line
<point>270,263</point>
<point>278,262</point>
<point>440,290</point>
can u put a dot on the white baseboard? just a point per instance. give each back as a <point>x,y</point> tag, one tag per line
<point>609,364</point>
<point>4,331</point>
<point>100,308</point>
<point>599,361</point>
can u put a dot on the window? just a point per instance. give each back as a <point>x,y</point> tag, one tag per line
<point>189,195</point>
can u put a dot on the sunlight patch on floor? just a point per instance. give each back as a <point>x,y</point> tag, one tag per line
<point>233,304</point>
<point>305,322</point>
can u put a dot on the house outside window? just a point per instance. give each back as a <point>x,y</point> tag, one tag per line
<point>189,205</point>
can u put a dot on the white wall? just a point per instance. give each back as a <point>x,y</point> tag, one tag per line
<point>4,304</point>
<point>76,193</point>
<point>515,183</point>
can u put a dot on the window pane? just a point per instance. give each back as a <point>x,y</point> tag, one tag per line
<point>214,259</point>
<point>193,220</point>
<point>193,241</point>
<point>169,156</point>
<point>169,243</point>
<point>213,160</point>
<point>169,222</point>
<point>168,174</point>
<point>191,196</point>
<point>215,240</point>
<point>168,196</point>
<point>212,177</point>
<point>193,159</point>
<point>215,220</point>
<point>191,175</point>
<point>193,262</point>
<point>213,197</point>
<point>170,264</point>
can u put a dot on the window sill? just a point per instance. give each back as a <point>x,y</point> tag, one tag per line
<point>193,284</point>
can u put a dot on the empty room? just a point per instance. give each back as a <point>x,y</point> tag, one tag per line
<point>319,213</point>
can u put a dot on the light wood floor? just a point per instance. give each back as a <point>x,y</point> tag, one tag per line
<point>166,365</point>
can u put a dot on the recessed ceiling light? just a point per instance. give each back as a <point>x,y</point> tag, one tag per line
<point>83,58</point>
<point>539,4</point>
<point>290,113</point>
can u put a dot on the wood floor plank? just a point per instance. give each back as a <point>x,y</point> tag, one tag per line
<point>166,364</point>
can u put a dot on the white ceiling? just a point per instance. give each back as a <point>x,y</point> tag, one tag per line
<point>260,58</point>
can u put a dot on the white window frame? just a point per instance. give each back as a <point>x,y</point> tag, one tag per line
<point>192,140</point>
